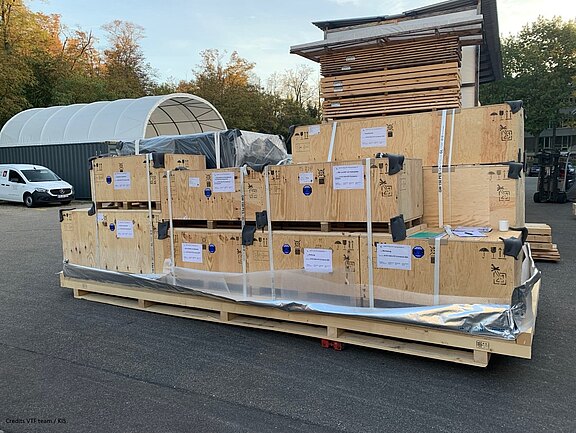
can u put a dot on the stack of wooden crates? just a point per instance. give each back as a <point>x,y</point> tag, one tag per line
<point>328,213</point>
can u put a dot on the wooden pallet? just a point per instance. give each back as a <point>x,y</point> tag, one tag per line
<point>390,55</point>
<point>384,335</point>
<point>540,239</point>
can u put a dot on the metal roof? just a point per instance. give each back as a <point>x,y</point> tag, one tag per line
<point>123,119</point>
<point>490,51</point>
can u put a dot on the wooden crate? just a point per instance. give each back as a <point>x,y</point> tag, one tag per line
<point>474,195</point>
<point>489,134</point>
<point>335,192</point>
<point>124,178</point>
<point>221,251</point>
<point>128,241</point>
<point>469,268</point>
<point>79,237</point>
<point>214,194</point>
<point>434,343</point>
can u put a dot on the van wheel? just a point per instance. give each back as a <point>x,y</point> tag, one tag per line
<point>29,200</point>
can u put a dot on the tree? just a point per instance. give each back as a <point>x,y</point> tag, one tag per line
<point>539,68</point>
<point>126,71</point>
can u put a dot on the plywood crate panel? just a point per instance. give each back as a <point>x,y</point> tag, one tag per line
<point>474,195</point>
<point>124,178</point>
<point>79,237</point>
<point>469,267</point>
<point>128,241</point>
<point>221,251</point>
<point>214,194</point>
<point>335,192</point>
<point>488,134</point>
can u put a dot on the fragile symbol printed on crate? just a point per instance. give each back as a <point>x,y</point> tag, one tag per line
<point>505,133</point>
<point>503,193</point>
<point>386,189</point>
<point>498,277</point>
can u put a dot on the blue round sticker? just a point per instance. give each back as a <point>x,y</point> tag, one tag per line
<point>208,192</point>
<point>211,248</point>
<point>108,180</point>
<point>418,252</point>
<point>307,190</point>
<point>112,227</point>
<point>286,249</point>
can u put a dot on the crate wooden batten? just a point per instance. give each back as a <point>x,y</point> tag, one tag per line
<point>384,335</point>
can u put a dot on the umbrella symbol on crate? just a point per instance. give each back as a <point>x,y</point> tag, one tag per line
<point>484,251</point>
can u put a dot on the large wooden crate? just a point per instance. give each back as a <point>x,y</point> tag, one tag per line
<point>474,195</point>
<point>124,178</point>
<point>336,192</point>
<point>469,268</point>
<point>128,241</point>
<point>79,237</point>
<point>489,134</point>
<point>214,195</point>
<point>329,257</point>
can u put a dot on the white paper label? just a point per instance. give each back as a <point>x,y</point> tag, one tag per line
<point>122,180</point>
<point>317,260</point>
<point>394,256</point>
<point>193,182</point>
<point>100,217</point>
<point>373,137</point>
<point>314,130</point>
<point>306,178</point>
<point>348,177</point>
<point>350,58</point>
<point>124,229</point>
<point>223,181</point>
<point>191,253</point>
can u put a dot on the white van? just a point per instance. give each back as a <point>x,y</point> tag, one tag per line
<point>33,184</point>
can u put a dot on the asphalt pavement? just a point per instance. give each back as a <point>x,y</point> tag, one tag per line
<point>75,366</point>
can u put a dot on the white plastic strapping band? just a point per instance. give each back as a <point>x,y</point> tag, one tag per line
<point>217,148</point>
<point>450,164</point>
<point>172,254</point>
<point>269,218</point>
<point>440,164</point>
<point>243,220</point>
<point>332,139</point>
<point>150,226</point>
<point>437,244</point>
<point>370,239</point>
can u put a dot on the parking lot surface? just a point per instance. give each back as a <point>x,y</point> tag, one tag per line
<point>75,366</point>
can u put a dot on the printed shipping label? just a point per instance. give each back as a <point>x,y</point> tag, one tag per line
<point>373,137</point>
<point>193,182</point>
<point>306,178</point>
<point>223,182</point>
<point>191,253</point>
<point>348,177</point>
<point>124,229</point>
<point>393,256</point>
<point>100,217</point>
<point>317,260</point>
<point>314,130</point>
<point>122,180</point>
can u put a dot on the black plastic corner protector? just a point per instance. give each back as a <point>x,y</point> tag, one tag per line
<point>248,234</point>
<point>261,219</point>
<point>91,162</point>
<point>158,160</point>
<point>515,106</point>
<point>512,246</point>
<point>180,168</point>
<point>524,231</point>
<point>92,210</point>
<point>395,163</point>
<point>398,228</point>
<point>61,211</point>
<point>515,170</point>
<point>163,230</point>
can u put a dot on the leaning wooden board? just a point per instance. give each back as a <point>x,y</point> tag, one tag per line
<point>473,195</point>
<point>482,135</point>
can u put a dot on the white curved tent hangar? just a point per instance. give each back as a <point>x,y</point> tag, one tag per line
<point>120,120</point>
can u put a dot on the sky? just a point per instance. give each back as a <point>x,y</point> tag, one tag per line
<point>261,31</point>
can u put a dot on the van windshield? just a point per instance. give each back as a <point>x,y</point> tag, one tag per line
<point>40,175</point>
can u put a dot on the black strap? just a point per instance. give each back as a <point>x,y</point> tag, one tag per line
<point>158,159</point>
<point>515,106</point>
<point>248,232</point>
<point>398,228</point>
<point>92,210</point>
<point>61,211</point>
<point>261,219</point>
<point>163,230</point>
<point>515,170</point>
